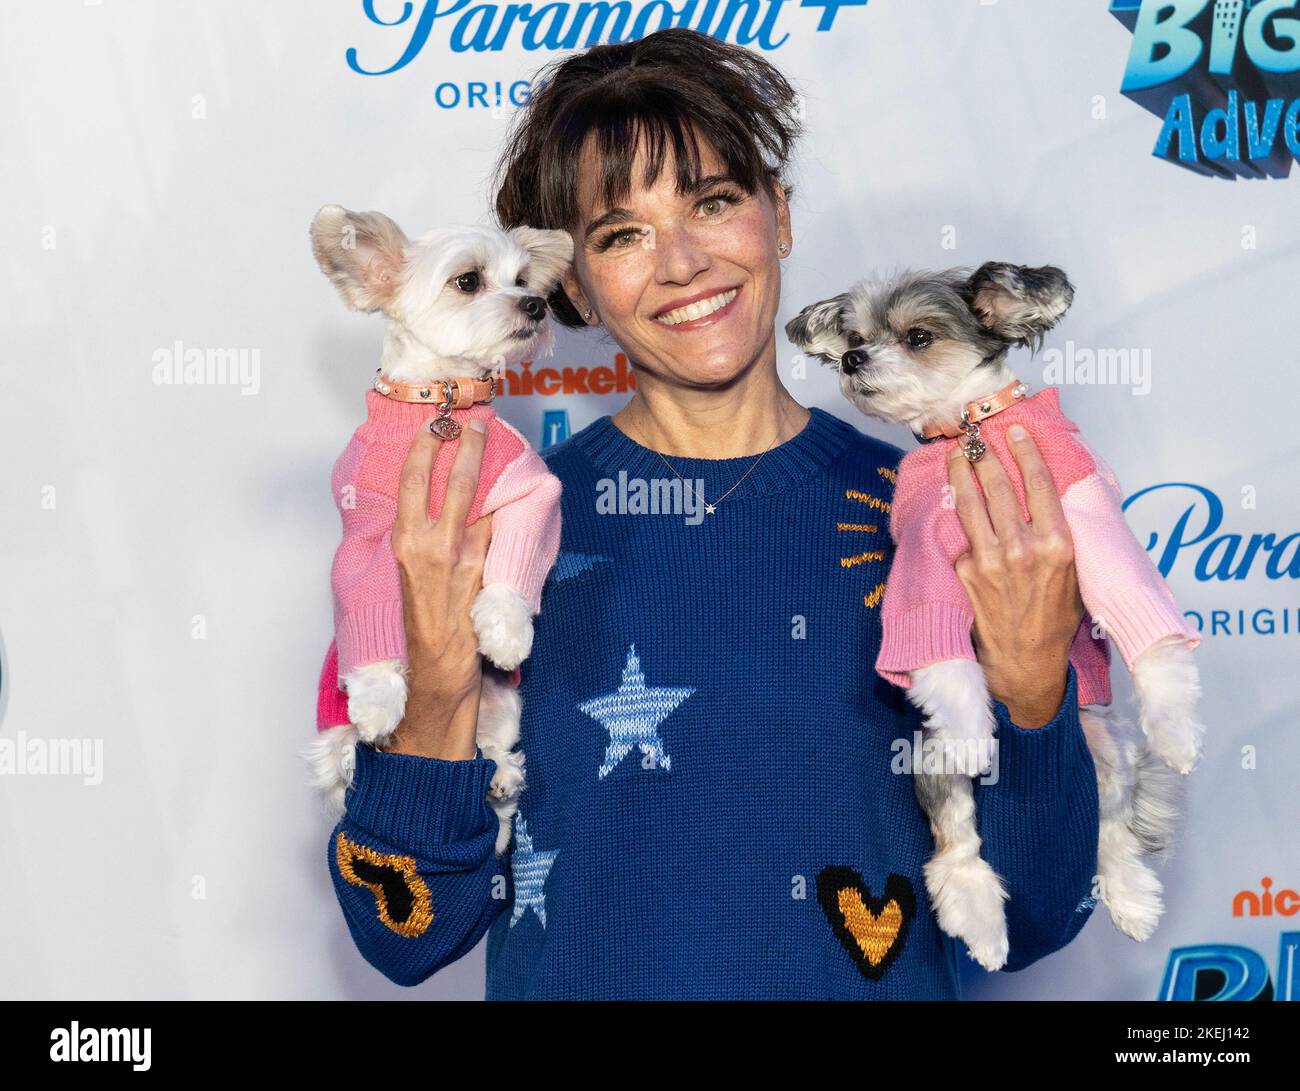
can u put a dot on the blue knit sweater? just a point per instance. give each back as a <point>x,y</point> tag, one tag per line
<point>712,808</point>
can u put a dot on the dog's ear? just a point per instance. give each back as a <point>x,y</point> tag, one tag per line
<point>361,252</point>
<point>549,255</point>
<point>1018,303</point>
<point>818,329</point>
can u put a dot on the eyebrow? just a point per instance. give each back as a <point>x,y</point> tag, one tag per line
<point>618,215</point>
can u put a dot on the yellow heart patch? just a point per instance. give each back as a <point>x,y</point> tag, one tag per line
<point>872,930</point>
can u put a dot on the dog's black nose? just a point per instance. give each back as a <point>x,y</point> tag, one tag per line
<point>534,306</point>
<point>852,360</point>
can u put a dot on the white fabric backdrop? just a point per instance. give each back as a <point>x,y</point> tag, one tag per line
<point>164,591</point>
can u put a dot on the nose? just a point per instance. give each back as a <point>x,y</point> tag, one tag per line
<point>852,360</point>
<point>681,253</point>
<point>533,305</point>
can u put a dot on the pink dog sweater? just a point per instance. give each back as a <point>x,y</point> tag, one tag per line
<point>926,614</point>
<point>515,488</point>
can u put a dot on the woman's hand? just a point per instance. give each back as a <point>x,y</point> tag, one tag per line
<point>441,566</point>
<point>1020,578</point>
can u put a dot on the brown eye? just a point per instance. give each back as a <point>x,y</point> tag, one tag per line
<point>467,283</point>
<point>519,281</point>
<point>918,338</point>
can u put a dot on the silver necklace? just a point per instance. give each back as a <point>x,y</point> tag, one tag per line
<point>710,508</point>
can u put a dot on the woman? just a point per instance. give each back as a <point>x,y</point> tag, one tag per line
<point>710,808</point>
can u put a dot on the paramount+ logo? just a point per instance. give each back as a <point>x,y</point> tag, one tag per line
<point>1224,75</point>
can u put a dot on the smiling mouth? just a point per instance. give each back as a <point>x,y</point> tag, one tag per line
<point>700,309</point>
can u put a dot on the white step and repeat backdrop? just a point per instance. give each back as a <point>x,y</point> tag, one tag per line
<point>167,536</point>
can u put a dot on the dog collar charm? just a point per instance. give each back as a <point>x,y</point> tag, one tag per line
<point>444,427</point>
<point>972,446</point>
<point>457,393</point>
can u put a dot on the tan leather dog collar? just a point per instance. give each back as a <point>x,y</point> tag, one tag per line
<point>978,410</point>
<point>445,394</point>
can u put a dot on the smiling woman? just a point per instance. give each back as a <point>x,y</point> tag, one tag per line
<point>711,810</point>
<point>674,188</point>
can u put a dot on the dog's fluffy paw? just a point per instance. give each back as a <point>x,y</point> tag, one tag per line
<point>503,792</point>
<point>508,780</point>
<point>376,698</point>
<point>332,757</point>
<point>1168,688</point>
<point>1137,912</point>
<point>1178,746</point>
<point>1129,888</point>
<point>968,897</point>
<point>503,624</point>
<point>969,757</point>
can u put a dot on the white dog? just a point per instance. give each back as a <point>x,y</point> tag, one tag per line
<point>459,304</point>
<point>928,349</point>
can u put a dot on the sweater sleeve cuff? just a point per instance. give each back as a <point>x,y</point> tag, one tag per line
<point>1033,762</point>
<point>421,804</point>
<point>521,558</point>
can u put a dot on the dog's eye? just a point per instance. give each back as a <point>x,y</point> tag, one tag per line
<point>855,342</point>
<point>520,281</point>
<point>918,338</point>
<point>467,282</point>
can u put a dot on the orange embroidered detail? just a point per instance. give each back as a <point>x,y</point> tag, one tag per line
<point>867,498</point>
<point>872,599</point>
<point>404,903</point>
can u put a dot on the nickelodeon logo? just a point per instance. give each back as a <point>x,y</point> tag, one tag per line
<point>1284,903</point>
<point>547,382</point>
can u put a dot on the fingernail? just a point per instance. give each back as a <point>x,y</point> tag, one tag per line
<point>478,425</point>
<point>955,453</point>
<point>1017,431</point>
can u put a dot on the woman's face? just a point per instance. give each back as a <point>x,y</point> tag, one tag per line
<point>638,266</point>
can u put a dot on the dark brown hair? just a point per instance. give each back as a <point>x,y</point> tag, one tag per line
<point>669,85</point>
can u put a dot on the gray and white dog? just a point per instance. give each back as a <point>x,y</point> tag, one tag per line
<point>914,348</point>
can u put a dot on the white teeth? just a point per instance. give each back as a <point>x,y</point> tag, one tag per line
<point>698,309</point>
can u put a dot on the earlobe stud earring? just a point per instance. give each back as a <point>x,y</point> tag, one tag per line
<point>782,248</point>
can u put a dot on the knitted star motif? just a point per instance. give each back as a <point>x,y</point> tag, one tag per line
<point>632,715</point>
<point>530,868</point>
